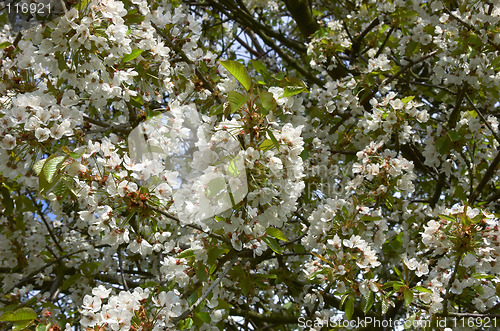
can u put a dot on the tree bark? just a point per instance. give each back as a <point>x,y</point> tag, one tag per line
<point>303,16</point>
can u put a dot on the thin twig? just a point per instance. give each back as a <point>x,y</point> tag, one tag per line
<point>487,176</point>
<point>32,274</point>
<point>120,265</point>
<point>450,283</point>
<point>42,216</point>
<point>480,113</point>
<point>196,227</point>
<point>207,292</point>
<point>381,48</point>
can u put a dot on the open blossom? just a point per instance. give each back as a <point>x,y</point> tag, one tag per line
<point>156,175</point>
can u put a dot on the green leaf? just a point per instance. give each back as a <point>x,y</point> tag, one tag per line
<point>245,285</point>
<point>5,44</point>
<point>293,90</point>
<point>398,285</point>
<point>292,86</point>
<point>443,144</point>
<point>407,99</point>
<point>239,72</point>
<point>38,166</point>
<point>368,218</point>
<point>448,218</point>
<point>370,299</point>
<point>40,327</point>
<point>70,281</point>
<point>343,299</point>
<point>276,233</point>
<point>21,314</point>
<point>454,135</point>
<point>266,276</point>
<point>385,305</point>
<point>268,101</point>
<point>50,167</point>
<point>273,244</point>
<point>273,139</point>
<point>204,316</point>
<point>216,110</point>
<point>260,67</point>
<point>412,47</point>
<point>266,145</point>
<point>21,325</point>
<point>186,253</point>
<point>137,101</point>
<point>194,296</point>
<point>187,324</point>
<point>133,18</point>
<point>89,268</point>
<point>349,308</point>
<point>304,154</point>
<point>422,289</point>
<point>7,201</point>
<point>233,167</point>
<point>215,187</point>
<point>400,275</point>
<point>236,100</point>
<point>135,53</point>
<point>408,294</point>
<point>201,272</point>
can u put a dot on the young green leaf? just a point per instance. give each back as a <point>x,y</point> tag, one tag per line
<point>38,166</point>
<point>273,139</point>
<point>135,53</point>
<point>239,72</point>
<point>407,99</point>
<point>422,289</point>
<point>349,308</point>
<point>50,167</point>
<point>266,145</point>
<point>268,101</point>
<point>273,244</point>
<point>21,314</point>
<point>204,316</point>
<point>236,100</point>
<point>276,233</point>
<point>260,67</point>
<point>186,253</point>
<point>370,299</point>
<point>408,294</point>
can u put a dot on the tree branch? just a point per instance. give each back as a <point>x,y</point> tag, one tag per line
<point>487,176</point>
<point>196,227</point>
<point>302,15</point>
<point>207,292</point>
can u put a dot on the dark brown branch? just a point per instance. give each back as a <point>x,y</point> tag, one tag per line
<point>487,176</point>
<point>439,188</point>
<point>255,42</point>
<point>240,15</point>
<point>32,274</point>
<point>356,45</point>
<point>450,283</point>
<point>266,318</point>
<point>302,15</point>
<point>248,47</point>
<point>452,121</point>
<point>381,48</point>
